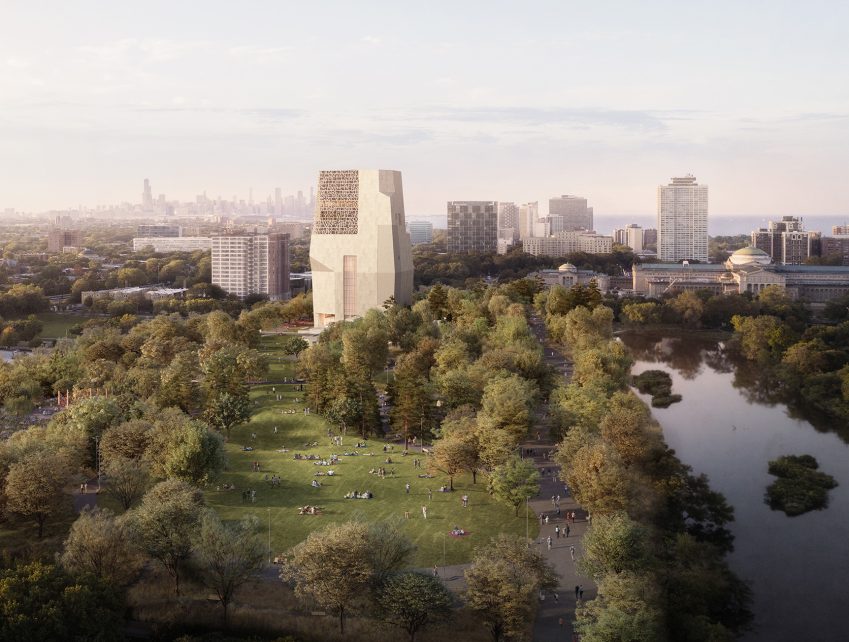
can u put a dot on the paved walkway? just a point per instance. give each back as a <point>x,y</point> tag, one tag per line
<point>547,627</point>
<point>83,500</point>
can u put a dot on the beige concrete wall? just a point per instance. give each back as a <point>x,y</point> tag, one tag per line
<point>381,245</point>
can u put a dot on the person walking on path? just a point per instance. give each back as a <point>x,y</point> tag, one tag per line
<point>549,542</point>
<point>557,532</point>
<point>581,592</point>
<point>577,590</point>
<point>572,552</point>
<point>435,571</point>
<point>567,530</point>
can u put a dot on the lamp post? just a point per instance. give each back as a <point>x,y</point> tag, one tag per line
<point>97,456</point>
<point>444,539</point>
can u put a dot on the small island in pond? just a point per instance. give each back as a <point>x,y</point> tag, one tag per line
<point>658,384</point>
<point>800,487</point>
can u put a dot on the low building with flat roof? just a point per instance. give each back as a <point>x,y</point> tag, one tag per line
<point>748,269</point>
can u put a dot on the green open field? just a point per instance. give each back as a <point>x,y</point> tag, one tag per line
<point>483,518</point>
<point>56,325</point>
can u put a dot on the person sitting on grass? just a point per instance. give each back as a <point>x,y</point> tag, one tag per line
<point>316,484</point>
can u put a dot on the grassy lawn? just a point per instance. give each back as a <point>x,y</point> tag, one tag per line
<point>56,325</point>
<point>483,518</point>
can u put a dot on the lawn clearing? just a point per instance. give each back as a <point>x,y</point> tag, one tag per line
<point>483,518</point>
<point>56,325</point>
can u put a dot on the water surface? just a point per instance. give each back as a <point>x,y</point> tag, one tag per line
<point>728,428</point>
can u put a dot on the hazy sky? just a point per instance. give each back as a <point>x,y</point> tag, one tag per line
<point>470,100</point>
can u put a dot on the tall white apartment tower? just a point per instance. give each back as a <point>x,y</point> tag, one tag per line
<point>682,214</point>
<point>249,264</point>
<point>360,249</point>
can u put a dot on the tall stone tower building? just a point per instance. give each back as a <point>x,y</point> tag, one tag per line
<point>682,215</point>
<point>360,249</point>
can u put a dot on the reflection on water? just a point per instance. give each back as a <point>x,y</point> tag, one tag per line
<point>730,423</point>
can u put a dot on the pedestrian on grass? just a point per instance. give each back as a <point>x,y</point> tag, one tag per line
<point>424,512</point>
<point>407,488</point>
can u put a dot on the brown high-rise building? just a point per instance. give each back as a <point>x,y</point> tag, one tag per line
<point>785,241</point>
<point>835,248</point>
<point>58,239</point>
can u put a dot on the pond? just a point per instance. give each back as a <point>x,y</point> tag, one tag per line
<point>728,427</point>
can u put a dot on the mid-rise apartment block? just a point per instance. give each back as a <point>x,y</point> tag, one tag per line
<point>786,241</point>
<point>166,244</point>
<point>508,221</point>
<point>472,226</point>
<point>58,239</point>
<point>360,249</point>
<point>682,215</point>
<point>569,213</point>
<point>159,231</point>
<point>248,264</point>
<point>631,235</point>
<point>420,232</point>
<point>564,243</point>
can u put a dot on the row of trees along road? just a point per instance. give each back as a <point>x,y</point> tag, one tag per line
<point>659,536</point>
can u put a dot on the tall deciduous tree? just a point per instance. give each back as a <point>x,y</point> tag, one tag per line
<point>514,481</point>
<point>614,544</point>
<point>452,455</point>
<point>503,583</point>
<point>166,525</point>
<point>127,480</point>
<point>227,556</point>
<point>99,545</point>
<point>227,410</point>
<point>34,487</point>
<point>332,568</point>
<point>413,600</point>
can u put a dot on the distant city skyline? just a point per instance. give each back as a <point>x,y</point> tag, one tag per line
<point>606,100</point>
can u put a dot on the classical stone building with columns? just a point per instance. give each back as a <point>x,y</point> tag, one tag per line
<point>747,270</point>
